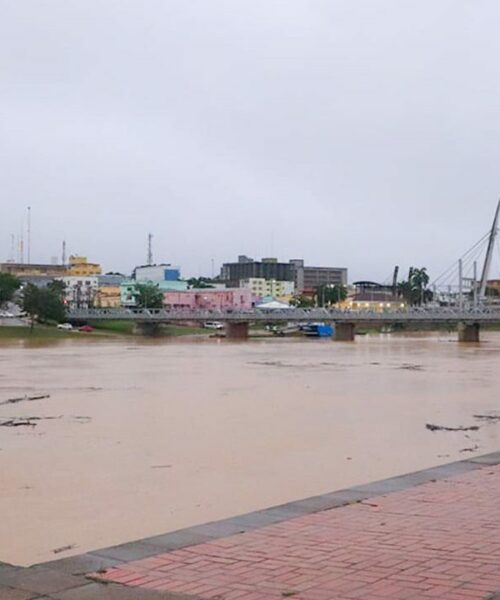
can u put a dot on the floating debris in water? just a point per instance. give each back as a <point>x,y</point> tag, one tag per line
<point>490,418</point>
<point>24,399</point>
<point>432,427</point>
<point>64,548</point>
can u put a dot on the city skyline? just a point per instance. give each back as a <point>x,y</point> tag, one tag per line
<point>207,266</point>
<point>275,128</point>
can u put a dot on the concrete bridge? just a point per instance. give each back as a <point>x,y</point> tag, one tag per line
<point>467,321</point>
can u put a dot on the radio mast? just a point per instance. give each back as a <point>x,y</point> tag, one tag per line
<point>150,249</point>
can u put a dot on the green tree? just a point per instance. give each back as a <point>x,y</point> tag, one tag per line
<point>302,302</point>
<point>57,286</point>
<point>415,290</point>
<point>43,304</point>
<point>148,295</point>
<point>327,294</point>
<point>8,287</point>
<point>200,282</point>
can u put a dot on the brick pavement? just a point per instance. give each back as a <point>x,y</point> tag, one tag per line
<point>437,540</point>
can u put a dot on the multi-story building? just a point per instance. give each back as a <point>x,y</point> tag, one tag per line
<point>24,271</point>
<point>210,299</point>
<point>79,266</point>
<point>262,288</point>
<point>306,279</point>
<point>157,273</point>
<point>372,296</point>
<point>80,291</point>
<point>247,268</point>
<point>128,289</point>
<point>108,290</point>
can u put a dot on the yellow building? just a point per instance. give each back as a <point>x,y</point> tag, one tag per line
<point>79,266</point>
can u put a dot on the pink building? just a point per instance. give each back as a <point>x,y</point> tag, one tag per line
<point>211,299</point>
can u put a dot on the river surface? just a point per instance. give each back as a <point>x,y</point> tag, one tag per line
<point>147,437</point>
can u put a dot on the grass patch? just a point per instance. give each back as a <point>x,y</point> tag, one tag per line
<point>39,332</point>
<point>123,327</point>
<point>128,328</point>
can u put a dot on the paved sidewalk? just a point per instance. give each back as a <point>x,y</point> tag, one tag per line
<point>440,539</point>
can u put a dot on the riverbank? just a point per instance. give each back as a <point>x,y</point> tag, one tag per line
<point>101,330</point>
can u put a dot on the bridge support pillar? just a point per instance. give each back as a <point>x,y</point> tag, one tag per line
<point>147,329</point>
<point>344,332</point>
<point>236,331</point>
<point>468,332</point>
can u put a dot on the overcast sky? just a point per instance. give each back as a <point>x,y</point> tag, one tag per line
<point>357,133</point>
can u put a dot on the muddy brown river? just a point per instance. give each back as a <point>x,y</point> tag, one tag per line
<point>140,438</point>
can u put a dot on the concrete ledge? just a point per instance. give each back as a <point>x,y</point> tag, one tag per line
<point>486,459</point>
<point>83,563</point>
<point>40,580</point>
<point>130,551</point>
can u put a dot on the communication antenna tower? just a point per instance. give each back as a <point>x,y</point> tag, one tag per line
<point>64,252</point>
<point>150,249</point>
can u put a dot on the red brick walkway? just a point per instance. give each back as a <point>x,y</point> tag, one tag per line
<point>437,540</point>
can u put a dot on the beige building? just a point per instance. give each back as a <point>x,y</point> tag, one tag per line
<point>261,287</point>
<point>108,297</point>
<point>32,270</point>
<point>79,266</point>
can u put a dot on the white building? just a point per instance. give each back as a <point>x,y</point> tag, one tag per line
<point>157,273</point>
<point>80,291</point>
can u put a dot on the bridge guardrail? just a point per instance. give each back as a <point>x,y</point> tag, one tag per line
<point>292,315</point>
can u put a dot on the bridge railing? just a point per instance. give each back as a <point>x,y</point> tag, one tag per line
<point>293,315</point>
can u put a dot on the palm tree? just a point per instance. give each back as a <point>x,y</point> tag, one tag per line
<point>415,290</point>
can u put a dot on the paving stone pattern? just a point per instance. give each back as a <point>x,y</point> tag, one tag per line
<point>436,540</point>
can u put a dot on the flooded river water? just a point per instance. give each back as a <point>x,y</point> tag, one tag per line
<point>148,437</point>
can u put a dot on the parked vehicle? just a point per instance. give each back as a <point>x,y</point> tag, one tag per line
<point>65,326</point>
<point>213,325</point>
<point>86,329</point>
<point>6,314</point>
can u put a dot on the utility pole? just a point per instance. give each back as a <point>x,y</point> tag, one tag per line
<point>29,235</point>
<point>460,286</point>
<point>64,252</point>
<point>474,283</point>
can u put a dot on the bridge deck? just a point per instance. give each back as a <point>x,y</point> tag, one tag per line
<point>295,315</point>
